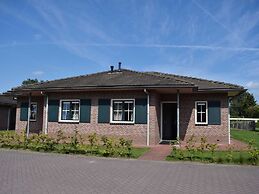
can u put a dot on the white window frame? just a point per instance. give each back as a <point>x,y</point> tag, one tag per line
<point>122,122</point>
<point>60,111</point>
<point>196,104</point>
<point>35,103</point>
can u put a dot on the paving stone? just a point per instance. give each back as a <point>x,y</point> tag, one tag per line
<point>36,173</point>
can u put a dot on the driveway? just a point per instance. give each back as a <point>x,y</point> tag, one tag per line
<point>27,172</point>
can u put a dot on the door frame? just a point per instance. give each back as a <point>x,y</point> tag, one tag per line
<point>161,118</point>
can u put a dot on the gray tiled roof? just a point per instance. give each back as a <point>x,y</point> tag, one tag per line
<point>199,82</point>
<point>128,78</point>
<point>7,100</point>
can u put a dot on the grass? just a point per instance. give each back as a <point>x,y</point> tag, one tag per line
<point>137,151</point>
<point>246,136</point>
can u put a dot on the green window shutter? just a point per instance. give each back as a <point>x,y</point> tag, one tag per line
<point>85,110</point>
<point>141,111</point>
<point>214,113</point>
<point>24,111</point>
<point>104,110</point>
<point>53,109</point>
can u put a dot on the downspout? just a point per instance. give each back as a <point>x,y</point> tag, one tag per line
<point>229,100</point>
<point>46,113</point>
<point>28,117</point>
<point>146,92</point>
<point>178,115</point>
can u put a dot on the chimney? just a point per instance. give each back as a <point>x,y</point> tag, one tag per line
<point>112,68</point>
<point>119,67</point>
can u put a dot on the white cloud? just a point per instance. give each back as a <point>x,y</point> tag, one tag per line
<point>38,72</point>
<point>253,85</point>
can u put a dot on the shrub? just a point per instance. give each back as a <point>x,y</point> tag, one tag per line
<point>190,147</point>
<point>253,152</point>
<point>60,137</point>
<point>212,148</point>
<point>109,144</point>
<point>74,142</point>
<point>229,155</point>
<point>93,140</point>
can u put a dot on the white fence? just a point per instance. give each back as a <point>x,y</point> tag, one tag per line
<point>245,119</point>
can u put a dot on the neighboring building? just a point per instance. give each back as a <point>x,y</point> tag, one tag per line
<point>7,112</point>
<point>147,107</point>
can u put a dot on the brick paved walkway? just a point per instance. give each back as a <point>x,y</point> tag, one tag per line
<point>158,152</point>
<point>39,173</point>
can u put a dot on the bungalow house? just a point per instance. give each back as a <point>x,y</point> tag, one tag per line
<point>147,107</point>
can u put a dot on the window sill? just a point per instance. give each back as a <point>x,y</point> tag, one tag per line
<point>68,121</point>
<point>122,123</point>
<point>201,124</point>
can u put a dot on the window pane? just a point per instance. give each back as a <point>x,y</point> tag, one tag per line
<point>33,111</point>
<point>198,108</point>
<point>123,110</point>
<point>117,115</point>
<point>65,115</point>
<point>204,117</point>
<point>131,116</point>
<point>70,110</point>
<point>65,105</point>
<point>117,105</point>
<point>199,117</point>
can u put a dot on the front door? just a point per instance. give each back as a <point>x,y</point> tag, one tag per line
<point>169,121</point>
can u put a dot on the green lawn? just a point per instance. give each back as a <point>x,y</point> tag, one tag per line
<point>137,152</point>
<point>246,136</point>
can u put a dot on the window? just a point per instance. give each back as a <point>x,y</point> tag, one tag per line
<point>122,111</point>
<point>69,111</point>
<point>201,112</point>
<point>33,115</point>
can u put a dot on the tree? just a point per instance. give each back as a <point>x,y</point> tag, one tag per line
<point>30,81</point>
<point>253,111</point>
<point>242,104</point>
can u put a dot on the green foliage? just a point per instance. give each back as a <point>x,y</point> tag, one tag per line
<point>190,147</point>
<point>111,147</point>
<point>60,137</point>
<point>74,142</point>
<point>257,124</point>
<point>206,152</point>
<point>93,140</point>
<point>253,111</point>
<point>31,81</point>
<point>246,136</point>
<point>253,152</point>
<point>229,155</point>
<point>242,104</point>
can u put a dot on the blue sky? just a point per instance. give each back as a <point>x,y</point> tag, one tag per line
<point>47,40</point>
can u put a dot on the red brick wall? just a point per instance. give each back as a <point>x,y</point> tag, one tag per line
<point>136,132</point>
<point>214,133</point>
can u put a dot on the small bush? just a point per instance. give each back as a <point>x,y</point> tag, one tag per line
<point>93,140</point>
<point>110,147</point>
<point>253,152</point>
